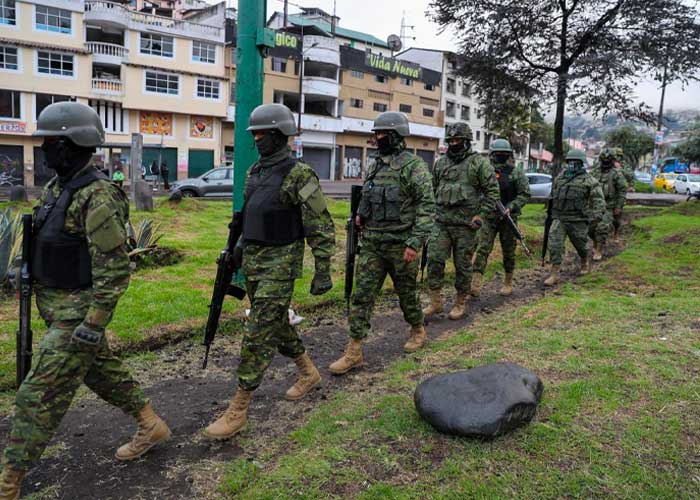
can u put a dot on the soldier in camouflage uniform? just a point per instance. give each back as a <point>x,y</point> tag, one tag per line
<point>577,201</point>
<point>515,193</point>
<point>612,181</point>
<point>81,269</point>
<point>283,207</point>
<point>628,172</point>
<point>396,216</point>
<point>466,191</point>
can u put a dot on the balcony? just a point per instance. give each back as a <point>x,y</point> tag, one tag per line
<point>320,86</point>
<point>107,86</point>
<point>110,13</point>
<point>107,53</point>
<point>322,49</point>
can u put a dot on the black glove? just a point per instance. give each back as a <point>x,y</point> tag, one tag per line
<point>237,257</point>
<point>87,334</point>
<point>322,279</point>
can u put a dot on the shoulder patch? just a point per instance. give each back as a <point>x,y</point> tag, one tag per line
<point>104,228</point>
<point>312,196</point>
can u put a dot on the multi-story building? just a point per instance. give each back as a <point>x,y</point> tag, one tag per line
<point>143,73</point>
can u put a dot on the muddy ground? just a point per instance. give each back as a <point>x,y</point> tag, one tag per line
<point>79,461</point>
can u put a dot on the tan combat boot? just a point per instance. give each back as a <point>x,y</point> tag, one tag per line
<point>459,309</point>
<point>351,359</point>
<point>233,419</point>
<point>436,306</point>
<point>585,266</point>
<point>553,278</point>
<point>597,252</point>
<point>475,290</point>
<point>416,339</point>
<point>308,378</point>
<point>507,285</point>
<point>10,483</point>
<point>152,431</point>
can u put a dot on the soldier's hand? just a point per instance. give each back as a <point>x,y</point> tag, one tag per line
<point>476,222</point>
<point>358,221</point>
<point>409,255</point>
<point>321,283</point>
<point>237,257</point>
<point>618,212</point>
<point>631,189</point>
<point>87,335</point>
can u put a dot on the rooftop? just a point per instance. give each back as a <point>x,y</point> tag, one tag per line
<point>341,32</point>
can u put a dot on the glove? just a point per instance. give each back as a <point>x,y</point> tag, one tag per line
<point>88,335</point>
<point>237,256</point>
<point>322,278</point>
<point>618,212</point>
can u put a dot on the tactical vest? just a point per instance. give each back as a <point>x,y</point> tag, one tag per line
<point>383,205</point>
<point>266,220</point>
<point>606,179</point>
<point>61,259</point>
<point>570,197</point>
<point>504,175</point>
<point>455,188</point>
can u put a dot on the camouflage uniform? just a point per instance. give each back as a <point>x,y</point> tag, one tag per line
<point>628,172</point>
<point>270,272</point>
<point>99,212</point>
<point>397,209</point>
<point>495,226</point>
<point>614,186</point>
<point>464,187</point>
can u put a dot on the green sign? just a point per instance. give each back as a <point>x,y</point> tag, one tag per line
<point>393,66</point>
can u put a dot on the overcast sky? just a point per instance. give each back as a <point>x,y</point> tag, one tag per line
<point>383,17</point>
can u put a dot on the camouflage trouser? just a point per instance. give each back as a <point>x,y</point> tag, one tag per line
<point>617,221</point>
<point>487,236</point>
<point>458,241</point>
<point>577,233</point>
<point>602,231</point>
<point>60,366</point>
<point>268,330</point>
<point>375,261</point>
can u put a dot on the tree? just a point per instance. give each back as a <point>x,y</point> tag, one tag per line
<point>587,54</point>
<point>634,143</point>
<point>689,149</point>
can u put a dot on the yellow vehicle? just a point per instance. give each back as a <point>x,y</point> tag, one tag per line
<point>665,181</point>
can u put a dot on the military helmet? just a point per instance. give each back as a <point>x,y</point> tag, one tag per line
<point>392,120</point>
<point>576,154</point>
<point>78,122</point>
<point>619,153</point>
<point>273,117</point>
<point>607,154</point>
<point>500,146</point>
<point>458,130</point>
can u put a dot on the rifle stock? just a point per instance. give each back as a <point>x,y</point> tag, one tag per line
<point>547,227</point>
<point>351,240</point>
<point>24,333</point>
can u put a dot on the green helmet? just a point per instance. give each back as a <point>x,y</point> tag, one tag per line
<point>76,121</point>
<point>273,117</point>
<point>576,154</point>
<point>392,120</point>
<point>619,154</point>
<point>607,155</point>
<point>500,146</point>
<point>458,130</point>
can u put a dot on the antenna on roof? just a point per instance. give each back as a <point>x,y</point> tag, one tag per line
<point>405,29</point>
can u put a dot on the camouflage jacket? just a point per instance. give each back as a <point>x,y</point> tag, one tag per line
<point>300,188</point>
<point>97,211</point>
<point>519,186</point>
<point>628,172</point>
<point>397,204</point>
<point>614,186</point>
<point>577,198</point>
<point>464,188</point>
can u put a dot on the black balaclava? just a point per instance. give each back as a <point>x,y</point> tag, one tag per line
<point>66,157</point>
<point>500,157</point>
<point>607,163</point>
<point>389,143</point>
<point>457,150</point>
<point>271,143</point>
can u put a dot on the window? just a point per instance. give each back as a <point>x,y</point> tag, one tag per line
<point>162,83</point>
<point>52,19</point>
<point>218,174</point>
<point>450,109</point>
<point>156,45</point>
<point>380,78</point>
<point>429,113</point>
<point>203,52</point>
<point>451,85</point>
<point>405,108</point>
<point>466,113</point>
<point>43,100</point>
<point>466,90</point>
<point>356,103</point>
<point>406,81</point>
<point>8,58</point>
<point>279,65</point>
<point>114,118</point>
<point>10,104</point>
<point>54,63</point>
<point>297,67</point>
<point>380,107</point>
<point>429,86</point>
<point>207,89</point>
<point>232,97</point>
<point>478,135</point>
<point>8,14</point>
<point>357,74</point>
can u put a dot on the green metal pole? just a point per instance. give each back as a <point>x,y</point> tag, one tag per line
<point>249,89</point>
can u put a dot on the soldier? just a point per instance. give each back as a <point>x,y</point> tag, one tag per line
<point>612,181</point>
<point>628,171</point>
<point>466,191</point>
<point>515,193</point>
<point>577,201</point>
<point>283,206</point>
<point>396,216</point>
<point>81,269</point>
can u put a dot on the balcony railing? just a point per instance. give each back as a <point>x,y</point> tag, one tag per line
<point>107,49</point>
<point>107,86</point>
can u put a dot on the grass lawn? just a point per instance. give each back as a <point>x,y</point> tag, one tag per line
<point>619,354</point>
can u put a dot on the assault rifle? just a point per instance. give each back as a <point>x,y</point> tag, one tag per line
<point>423,260</point>
<point>547,227</point>
<point>24,333</point>
<point>226,269</point>
<point>513,226</point>
<point>352,238</point>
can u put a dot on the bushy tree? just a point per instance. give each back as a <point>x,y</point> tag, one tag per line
<point>636,144</point>
<point>689,149</point>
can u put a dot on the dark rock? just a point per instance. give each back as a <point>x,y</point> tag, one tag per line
<point>144,196</point>
<point>18,193</point>
<point>176,197</point>
<point>486,401</point>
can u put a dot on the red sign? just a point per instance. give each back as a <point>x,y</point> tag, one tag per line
<point>13,127</point>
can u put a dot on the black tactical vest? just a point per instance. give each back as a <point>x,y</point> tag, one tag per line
<point>505,183</point>
<point>60,259</point>
<point>266,220</point>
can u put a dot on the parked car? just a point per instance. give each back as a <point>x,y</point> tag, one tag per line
<point>216,182</point>
<point>540,184</point>
<point>665,181</point>
<point>642,177</point>
<point>687,184</point>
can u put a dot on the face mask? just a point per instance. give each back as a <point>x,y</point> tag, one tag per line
<point>64,157</point>
<point>572,167</point>
<point>606,164</point>
<point>386,144</point>
<point>501,158</point>
<point>457,149</point>
<point>270,143</point>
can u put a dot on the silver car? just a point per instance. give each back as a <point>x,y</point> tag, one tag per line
<point>540,184</point>
<point>216,182</point>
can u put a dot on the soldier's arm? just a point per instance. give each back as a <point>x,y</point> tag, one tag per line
<point>420,185</point>
<point>522,190</point>
<point>596,201</point>
<point>106,214</point>
<point>620,190</point>
<point>486,184</point>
